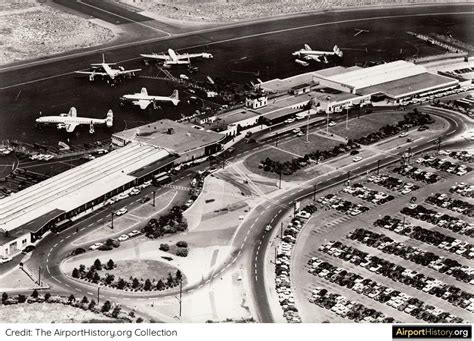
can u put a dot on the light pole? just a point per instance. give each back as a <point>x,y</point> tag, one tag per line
<point>327,121</point>
<point>98,295</point>
<point>307,127</point>
<point>347,118</point>
<point>39,275</point>
<point>154,196</point>
<point>314,192</point>
<point>180,298</point>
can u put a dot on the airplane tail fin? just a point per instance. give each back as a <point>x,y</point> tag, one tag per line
<point>72,112</point>
<point>175,97</point>
<point>337,51</point>
<point>109,120</point>
<point>144,91</point>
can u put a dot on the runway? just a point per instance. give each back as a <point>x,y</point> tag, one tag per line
<point>50,88</point>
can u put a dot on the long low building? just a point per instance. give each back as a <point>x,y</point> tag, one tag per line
<point>25,216</point>
<point>395,81</point>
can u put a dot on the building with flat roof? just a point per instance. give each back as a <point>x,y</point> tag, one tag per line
<point>31,212</point>
<point>184,139</point>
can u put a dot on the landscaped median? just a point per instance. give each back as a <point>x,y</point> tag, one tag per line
<point>43,308</point>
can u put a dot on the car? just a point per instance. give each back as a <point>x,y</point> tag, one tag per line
<point>134,233</point>
<point>404,134</point>
<point>289,120</point>
<point>121,211</point>
<point>248,134</point>
<point>300,134</point>
<point>357,159</point>
<point>230,150</point>
<point>189,203</point>
<point>252,140</point>
<point>268,228</point>
<point>423,128</point>
<point>27,249</point>
<point>95,246</point>
<point>354,152</point>
<point>303,215</point>
<point>332,123</point>
<point>134,191</point>
<point>144,200</point>
<point>123,237</point>
<point>296,130</point>
<point>5,260</point>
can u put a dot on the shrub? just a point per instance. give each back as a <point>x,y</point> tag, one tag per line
<point>110,264</point>
<point>182,252</point>
<point>182,243</point>
<point>47,296</point>
<point>4,297</point>
<point>21,298</point>
<point>106,307</point>
<point>164,247</point>
<point>34,294</point>
<point>75,273</point>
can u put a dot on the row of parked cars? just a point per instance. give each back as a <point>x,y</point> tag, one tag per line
<point>379,292</point>
<point>463,189</point>
<point>413,254</point>
<point>393,184</point>
<point>440,240</point>
<point>401,274</point>
<point>283,263</point>
<point>129,192</point>
<point>444,165</point>
<point>439,219</point>
<point>333,201</point>
<point>346,308</point>
<point>115,242</point>
<point>462,155</point>
<point>455,205</point>
<point>41,157</point>
<point>367,194</point>
<point>417,174</point>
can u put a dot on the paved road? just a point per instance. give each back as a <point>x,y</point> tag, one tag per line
<point>274,213</point>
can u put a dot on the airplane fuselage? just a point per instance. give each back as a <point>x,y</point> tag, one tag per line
<point>69,120</point>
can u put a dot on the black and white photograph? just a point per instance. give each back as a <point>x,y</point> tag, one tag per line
<point>209,169</point>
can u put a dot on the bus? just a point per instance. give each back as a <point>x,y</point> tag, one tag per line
<point>161,179</point>
<point>61,226</point>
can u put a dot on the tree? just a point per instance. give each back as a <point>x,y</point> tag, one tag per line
<point>96,278</point>
<point>90,273</point>
<point>75,273</point>
<point>182,243</point>
<point>121,283</point>
<point>139,320</point>
<point>34,294</point>
<point>85,300</point>
<point>164,247</point>
<point>116,311</point>
<point>135,283</point>
<point>178,276</point>
<point>110,264</point>
<point>71,298</point>
<point>106,307</point>
<point>47,296</point>
<point>92,305</point>
<point>147,286</point>
<point>82,268</point>
<point>98,264</point>
<point>170,280</point>
<point>109,279</point>
<point>4,297</point>
<point>160,285</point>
<point>182,252</point>
<point>21,298</point>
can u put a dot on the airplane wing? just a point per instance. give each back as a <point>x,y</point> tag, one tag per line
<point>312,57</point>
<point>91,73</point>
<point>124,72</point>
<point>143,103</point>
<point>70,127</point>
<point>190,55</point>
<point>156,56</point>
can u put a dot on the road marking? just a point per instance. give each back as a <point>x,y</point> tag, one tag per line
<point>89,293</point>
<point>90,225</point>
<point>55,245</point>
<point>55,279</point>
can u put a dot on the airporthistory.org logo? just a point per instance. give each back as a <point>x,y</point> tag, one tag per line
<point>440,332</point>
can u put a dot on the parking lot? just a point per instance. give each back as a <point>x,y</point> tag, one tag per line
<point>392,246</point>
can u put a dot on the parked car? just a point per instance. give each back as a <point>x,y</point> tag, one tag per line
<point>29,248</point>
<point>121,211</point>
<point>123,237</point>
<point>357,159</point>
<point>95,246</point>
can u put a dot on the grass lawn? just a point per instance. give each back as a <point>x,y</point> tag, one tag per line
<point>141,269</point>
<point>299,146</point>
<point>48,313</point>
<point>359,127</point>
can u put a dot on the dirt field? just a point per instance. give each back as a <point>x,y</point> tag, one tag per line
<point>29,30</point>
<point>233,10</point>
<point>47,313</point>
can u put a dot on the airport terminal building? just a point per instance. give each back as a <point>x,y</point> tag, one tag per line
<point>27,215</point>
